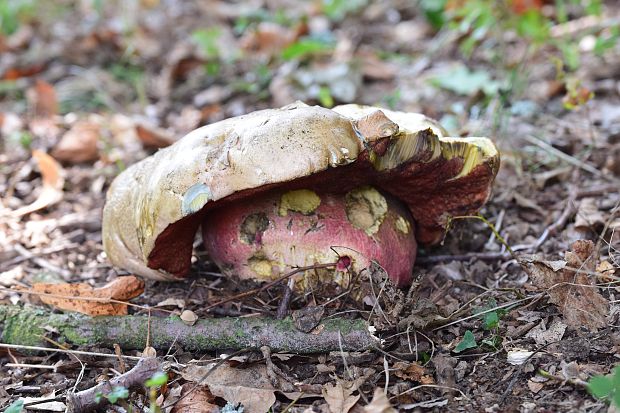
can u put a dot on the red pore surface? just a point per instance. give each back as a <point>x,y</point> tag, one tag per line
<point>258,238</point>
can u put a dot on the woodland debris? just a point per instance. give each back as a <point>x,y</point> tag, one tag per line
<point>75,297</point>
<point>570,288</point>
<point>86,401</point>
<point>27,326</point>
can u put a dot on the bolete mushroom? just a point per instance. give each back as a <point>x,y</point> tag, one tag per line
<point>283,188</point>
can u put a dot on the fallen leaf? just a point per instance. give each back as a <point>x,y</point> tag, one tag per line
<point>413,372</point>
<point>195,400</point>
<point>588,215</point>
<point>518,356</point>
<point>71,296</point>
<point>339,396</point>
<point>269,38</point>
<point>53,181</point>
<point>544,335</point>
<point>42,99</point>
<point>176,302</point>
<point>79,144</point>
<point>535,387</point>
<point>249,386</point>
<point>379,403</point>
<point>579,301</point>
<point>152,136</point>
<point>606,271</point>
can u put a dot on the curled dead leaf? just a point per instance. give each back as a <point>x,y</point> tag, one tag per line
<point>339,397</point>
<point>569,287</point>
<point>379,403</point>
<point>79,144</point>
<point>53,181</point>
<point>195,400</point>
<point>152,136</point>
<point>85,299</point>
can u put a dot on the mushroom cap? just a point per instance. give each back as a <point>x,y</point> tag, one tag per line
<point>154,208</point>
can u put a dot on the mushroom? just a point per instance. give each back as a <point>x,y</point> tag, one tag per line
<point>279,189</point>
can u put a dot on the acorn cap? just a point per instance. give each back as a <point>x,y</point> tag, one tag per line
<point>154,208</point>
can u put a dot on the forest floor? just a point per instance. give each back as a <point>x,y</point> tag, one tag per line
<point>100,87</point>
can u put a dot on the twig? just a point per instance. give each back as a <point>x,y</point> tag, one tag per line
<point>58,350</point>
<point>270,284</point>
<point>24,325</point>
<point>85,401</point>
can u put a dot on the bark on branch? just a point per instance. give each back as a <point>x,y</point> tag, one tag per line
<point>27,326</point>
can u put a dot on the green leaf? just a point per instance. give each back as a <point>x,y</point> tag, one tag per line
<point>534,25</point>
<point>468,341</point>
<point>207,40</point>
<point>325,97</point>
<point>462,81</point>
<point>491,320</point>
<point>158,379</point>
<point>305,47</point>
<point>119,392</point>
<point>15,407</point>
<point>601,386</point>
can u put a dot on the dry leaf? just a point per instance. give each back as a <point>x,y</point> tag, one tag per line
<point>339,397</point>
<point>67,296</point>
<point>42,99</point>
<point>588,215</point>
<point>195,400</point>
<point>153,137</point>
<point>606,271</point>
<point>579,301</point>
<point>535,387</point>
<point>79,144</point>
<point>413,372</point>
<point>544,335</point>
<point>53,181</point>
<point>249,386</point>
<point>379,403</point>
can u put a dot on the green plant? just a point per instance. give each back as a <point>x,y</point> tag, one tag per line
<point>468,341</point>
<point>13,12</point>
<point>117,393</point>
<point>156,381</point>
<point>607,387</point>
<point>306,47</point>
<point>15,407</point>
<point>337,10</point>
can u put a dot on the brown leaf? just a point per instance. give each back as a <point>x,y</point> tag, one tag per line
<point>579,301</point>
<point>379,403</point>
<point>270,38</point>
<point>154,137</point>
<point>53,181</point>
<point>195,400</point>
<point>249,386</point>
<point>79,144</point>
<point>42,99</point>
<point>339,396</point>
<point>413,372</point>
<point>71,296</point>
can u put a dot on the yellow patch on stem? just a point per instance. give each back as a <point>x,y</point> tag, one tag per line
<point>303,201</point>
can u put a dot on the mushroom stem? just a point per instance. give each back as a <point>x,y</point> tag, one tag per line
<point>282,230</point>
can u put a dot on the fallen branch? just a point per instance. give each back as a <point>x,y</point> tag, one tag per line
<point>86,401</point>
<point>27,325</point>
